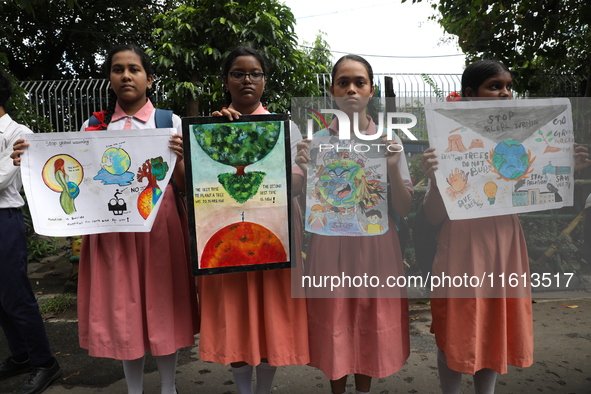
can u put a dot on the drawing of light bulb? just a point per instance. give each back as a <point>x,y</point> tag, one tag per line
<point>490,189</point>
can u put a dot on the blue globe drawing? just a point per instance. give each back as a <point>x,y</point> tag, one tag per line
<point>510,159</point>
<point>73,189</point>
<point>116,161</point>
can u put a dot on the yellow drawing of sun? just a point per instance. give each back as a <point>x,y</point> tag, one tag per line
<point>71,166</point>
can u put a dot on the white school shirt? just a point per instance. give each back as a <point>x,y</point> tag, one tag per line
<point>10,175</point>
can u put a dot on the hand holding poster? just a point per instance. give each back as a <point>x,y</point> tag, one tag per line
<point>238,196</point>
<point>88,183</point>
<point>498,157</point>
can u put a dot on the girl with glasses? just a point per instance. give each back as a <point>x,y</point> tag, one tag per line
<point>249,319</point>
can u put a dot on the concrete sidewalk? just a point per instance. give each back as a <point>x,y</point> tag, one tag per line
<point>562,359</point>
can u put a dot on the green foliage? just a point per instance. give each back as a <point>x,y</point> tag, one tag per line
<point>532,37</point>
<point>416,173</point>
<point>542,233</point>
<point>238,144</point>
<point>242,187</point>
<point>418,109</point>
<point>429,81</point>
<point>21,110</point>
<point>43,39</point>
<point>38,246</point>
<point>58,304</point>
<point>192,41</point>
<point>319,54</point>
<point>566,255</point>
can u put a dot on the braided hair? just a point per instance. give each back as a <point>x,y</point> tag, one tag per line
<point>146,64</point>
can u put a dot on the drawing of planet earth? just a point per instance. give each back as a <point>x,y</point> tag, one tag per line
<point>73,189</point>
<point>243,243</point>
<point>147,200</point>
<point>510,159</point>
<point>337,184</point>
<point>115,161</point>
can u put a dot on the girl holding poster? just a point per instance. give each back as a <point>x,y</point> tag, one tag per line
<point>263,326</point>
<point>480,333</point>
<point>135,290</point>
<point>368,337</point>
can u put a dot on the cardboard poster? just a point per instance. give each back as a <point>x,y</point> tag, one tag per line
<point>238,192</point>
<point>498,157</point>
<point>346,189</point>
<point>81,183</point>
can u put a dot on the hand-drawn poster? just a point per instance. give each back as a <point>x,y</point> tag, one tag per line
<point>238,189</point>
<point>498,157</point>
<point>346,189</point>
<point>96,182</point>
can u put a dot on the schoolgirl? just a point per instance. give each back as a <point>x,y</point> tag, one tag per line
<point>250,319</point>
<point>368,337</point>
<point>480,336</point>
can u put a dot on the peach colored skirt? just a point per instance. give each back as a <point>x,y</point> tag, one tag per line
<point>249,316</point>
<point>476,333</point>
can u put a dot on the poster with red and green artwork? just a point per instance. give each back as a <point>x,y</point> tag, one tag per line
<point>87,183</point>
<point>238,192</point>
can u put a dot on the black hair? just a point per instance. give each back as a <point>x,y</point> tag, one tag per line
<point>146,64</point>
<point>237,52</point>
<point>356,58</point>
<point>373,212</point>
<point>478,72</point>
<point>5,89</point>
<point>371,108</point>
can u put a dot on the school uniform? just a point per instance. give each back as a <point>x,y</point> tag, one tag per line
<point>135,290</point>
<point>19,311</point>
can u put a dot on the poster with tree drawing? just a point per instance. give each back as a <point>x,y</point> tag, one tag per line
<point>87,183</point>
<point>498,157</point>
<point>238,192</point>
<point>346,188</point>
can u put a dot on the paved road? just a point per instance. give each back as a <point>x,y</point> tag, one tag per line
<point>562,359</point>
<point>562,362</point>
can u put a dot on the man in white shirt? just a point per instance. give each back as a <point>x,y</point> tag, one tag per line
<point>19,312</point>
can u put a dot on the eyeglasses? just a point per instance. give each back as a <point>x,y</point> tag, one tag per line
<point>239,76</point>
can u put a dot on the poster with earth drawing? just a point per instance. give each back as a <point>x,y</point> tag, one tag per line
<point>238,177</point>
<point>346,188</point>
<point>96,182</point>
<point>498,157</point>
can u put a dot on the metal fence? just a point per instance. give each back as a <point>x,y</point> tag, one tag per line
<point>68,103</point>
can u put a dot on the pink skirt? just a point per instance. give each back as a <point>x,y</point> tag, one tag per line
<point>135,290</point>
<point>368,336</point>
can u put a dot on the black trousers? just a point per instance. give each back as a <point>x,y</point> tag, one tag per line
<point>19,311</point>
